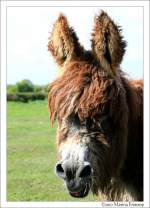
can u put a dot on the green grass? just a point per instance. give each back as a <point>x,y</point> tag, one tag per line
<point>31,155</point>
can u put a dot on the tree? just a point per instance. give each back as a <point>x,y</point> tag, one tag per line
<point>25,86</point>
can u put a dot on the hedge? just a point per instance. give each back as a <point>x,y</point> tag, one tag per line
<point>25,96</point>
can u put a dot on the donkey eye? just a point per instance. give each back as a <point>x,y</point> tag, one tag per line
<point>105,123</point>
<point>107,127</point>
<point>74,120</point>
<point>88,123</point>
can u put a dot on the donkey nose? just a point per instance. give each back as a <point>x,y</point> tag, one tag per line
<point>68,170</point>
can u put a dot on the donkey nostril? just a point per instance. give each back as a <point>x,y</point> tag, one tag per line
<point>59,170</point>
<point>86,171</point>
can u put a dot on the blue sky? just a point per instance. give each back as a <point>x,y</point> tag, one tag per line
<point>28,31</point>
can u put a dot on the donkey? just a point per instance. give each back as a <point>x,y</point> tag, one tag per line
<point>99,112</point>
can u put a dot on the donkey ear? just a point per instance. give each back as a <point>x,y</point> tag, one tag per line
<point>63,43</point>
<point>107,43</point>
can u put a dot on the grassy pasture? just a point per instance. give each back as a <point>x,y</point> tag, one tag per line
<point>31,155</point>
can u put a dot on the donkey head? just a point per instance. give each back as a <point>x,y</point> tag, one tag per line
<point>89,102</point>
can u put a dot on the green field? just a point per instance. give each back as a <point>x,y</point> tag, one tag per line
<point>31,155</point>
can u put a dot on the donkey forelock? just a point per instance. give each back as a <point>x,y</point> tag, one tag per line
<point>83,89</point>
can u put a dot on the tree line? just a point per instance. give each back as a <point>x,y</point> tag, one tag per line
<point>25,91</point>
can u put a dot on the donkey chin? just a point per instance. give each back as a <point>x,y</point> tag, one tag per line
<point>82,189</point>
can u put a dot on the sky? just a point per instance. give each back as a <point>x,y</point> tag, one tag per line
<point>28,29</point>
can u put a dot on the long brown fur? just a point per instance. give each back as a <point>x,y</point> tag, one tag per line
<point>93,84</point>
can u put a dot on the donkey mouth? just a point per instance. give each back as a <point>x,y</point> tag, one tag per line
<point>82,193</point>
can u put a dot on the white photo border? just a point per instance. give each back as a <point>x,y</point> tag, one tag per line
<point>4,6</point>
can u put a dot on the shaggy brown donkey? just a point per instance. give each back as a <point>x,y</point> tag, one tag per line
<point>99,112</point>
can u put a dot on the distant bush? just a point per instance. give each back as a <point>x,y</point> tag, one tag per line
<point>12,97</point>
<point>46,87</point>
<point>12,88</point>
<point>39,88</point>
<point>25,91</point>
<point>25,86</point>
<point>26,96</point>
